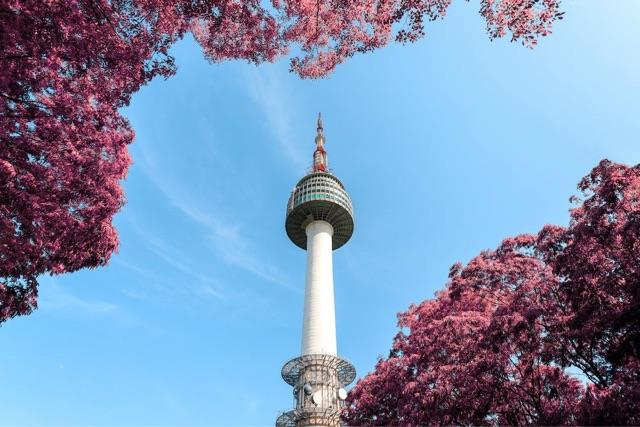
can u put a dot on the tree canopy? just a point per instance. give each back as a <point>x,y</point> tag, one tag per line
<point>501,343</point>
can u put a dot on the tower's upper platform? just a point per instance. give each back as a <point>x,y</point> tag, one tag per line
<point>319,196</point>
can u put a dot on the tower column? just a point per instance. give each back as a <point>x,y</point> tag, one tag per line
<point>319,320</point>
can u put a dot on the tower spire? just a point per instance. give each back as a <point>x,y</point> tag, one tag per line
<point>320,162</point>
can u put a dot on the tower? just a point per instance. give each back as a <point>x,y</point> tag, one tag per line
<point>319,220</point>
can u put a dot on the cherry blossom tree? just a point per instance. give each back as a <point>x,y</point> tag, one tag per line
<point>498,344</point>
<point>68,66</point>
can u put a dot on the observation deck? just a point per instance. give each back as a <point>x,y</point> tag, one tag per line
<point>319,196</point>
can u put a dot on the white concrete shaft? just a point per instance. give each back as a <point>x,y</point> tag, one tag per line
<point>319,320</point>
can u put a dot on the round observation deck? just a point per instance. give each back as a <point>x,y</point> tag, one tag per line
<point>319,196</point>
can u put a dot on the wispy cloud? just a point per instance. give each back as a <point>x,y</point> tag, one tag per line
<point>267,90</point>
<point>224,237</point>
<point>158,287</point>
<point>204,284</point>
<point>57,298</point>
<point>236,250</point>
<point>132,267</point>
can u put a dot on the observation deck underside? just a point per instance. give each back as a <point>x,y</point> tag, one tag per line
<point>319,196</point>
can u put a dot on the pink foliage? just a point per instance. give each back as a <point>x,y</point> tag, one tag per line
<point>526,20</point>
<point>493,346</point>
<point>68,66</point>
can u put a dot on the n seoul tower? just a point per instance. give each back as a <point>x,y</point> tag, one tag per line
<point>319,220</point>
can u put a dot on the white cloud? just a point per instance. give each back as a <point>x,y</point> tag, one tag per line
<point>225,237</point>
<point>56,298</point>
<point>236,250</point>
<point>204,284</point>
<point>268,91</point>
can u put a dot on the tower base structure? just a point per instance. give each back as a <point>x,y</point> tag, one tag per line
<point>318,382</point>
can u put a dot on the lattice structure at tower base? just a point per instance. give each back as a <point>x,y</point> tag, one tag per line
<point>318,382</point>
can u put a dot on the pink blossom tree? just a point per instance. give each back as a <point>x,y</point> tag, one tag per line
<point>494,346</point>
<point>68,66</point>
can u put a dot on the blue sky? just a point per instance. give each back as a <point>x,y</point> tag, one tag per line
<point>446,147</point>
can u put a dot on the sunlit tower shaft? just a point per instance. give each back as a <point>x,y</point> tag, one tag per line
<point>319,318</point>
<point>319,220</point>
